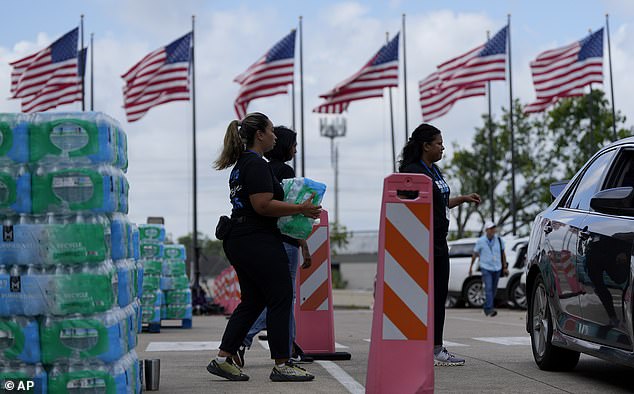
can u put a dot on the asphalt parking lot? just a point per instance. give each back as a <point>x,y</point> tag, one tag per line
<point>497,350</point>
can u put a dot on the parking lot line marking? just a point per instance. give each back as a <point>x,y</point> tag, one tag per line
<point>507,341</point>
<point>265,345</point>
<point>496,321</point>
<point>182,346</point>
<point>452,344</point>
<point>342,377</point>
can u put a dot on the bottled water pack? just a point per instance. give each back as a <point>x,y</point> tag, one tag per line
<point>183,296</point>
<point>175,252</point>
<point>101,337</point>
<point>153,267</point>
<point>57,290</point>
<point>86,137</point>
<point>296,191</point>
<point>151,233</point>
<point>179,282</point>
<point>19,339</point>
<point>178,311</point>
<point>66,188</point>
<point>121,377</point>
<point>151,314</point>
<point>174,268</point>
<point>151,250</point>
<point>54,239</point>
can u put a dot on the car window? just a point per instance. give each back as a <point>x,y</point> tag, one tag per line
<point>622,172</point>
<point>461,250</point>
<point>590,182</point>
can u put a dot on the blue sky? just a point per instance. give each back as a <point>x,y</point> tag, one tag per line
<point>339,37</point>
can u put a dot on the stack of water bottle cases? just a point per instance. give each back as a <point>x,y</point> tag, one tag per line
<point>69,270</point>
<point>166,293</point>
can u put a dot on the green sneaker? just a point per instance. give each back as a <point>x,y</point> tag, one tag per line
<point>227,370</point>
<point>289,372</point>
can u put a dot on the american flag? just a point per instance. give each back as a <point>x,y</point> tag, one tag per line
<point>49,77</point>
<point>484,63</point>
<point>380,72</point>
<point>565,71</point>
<point>270,75</point>
<point>435,101</point>
<point>160,77</point>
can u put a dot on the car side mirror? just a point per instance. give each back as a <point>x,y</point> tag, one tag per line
<point>616,201</point>
<point>557,187</point>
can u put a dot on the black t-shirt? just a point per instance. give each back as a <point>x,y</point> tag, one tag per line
<point>441,223</point>
<point>284,171</point>
<point>251,175</point>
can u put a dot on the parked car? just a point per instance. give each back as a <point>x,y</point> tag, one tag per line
<point>470,290</point>
<point>579,269</point>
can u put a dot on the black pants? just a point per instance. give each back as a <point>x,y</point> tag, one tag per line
<point>441,288</point>
<point>261,264</point>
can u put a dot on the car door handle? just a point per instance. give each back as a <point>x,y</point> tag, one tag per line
<point>548,228</point>
<point>584,234</point>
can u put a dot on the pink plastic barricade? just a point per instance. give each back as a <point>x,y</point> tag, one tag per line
<point>233,291</point>
<point>314,317</point>
<point>402,344</point>
<point>227,290</point>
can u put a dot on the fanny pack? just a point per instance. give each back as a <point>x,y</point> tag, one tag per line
<point>223,227</point>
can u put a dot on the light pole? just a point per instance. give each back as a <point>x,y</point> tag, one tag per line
<point>335,128</point>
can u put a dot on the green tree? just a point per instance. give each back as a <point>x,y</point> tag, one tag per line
<point>338,237</point>
<point>212,258</point>
<point>578,136</point>
<point>549,147</point>
<point>469,171</point>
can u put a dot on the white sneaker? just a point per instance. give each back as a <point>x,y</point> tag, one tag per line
<point>445,359</point>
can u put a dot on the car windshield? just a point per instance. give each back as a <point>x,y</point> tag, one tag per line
<point>461,250</point>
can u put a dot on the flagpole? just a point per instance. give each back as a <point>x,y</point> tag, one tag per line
<point>83,101</point>
<point>92,79</point>
<point>591,123</point>
<point>301,96</point>
<point>195,283</point>
<point>293,121</point>
<point>513,200</point>
<point>607,30</point>
<point>293,116</point>
<point>387,40</point>
<point>490,127</point>
<point>405,79</point>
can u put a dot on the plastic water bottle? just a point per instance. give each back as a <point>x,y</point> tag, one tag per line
<point>14,131</point>
<point>4,291</point>
<point>15,189</point>
<point>34,301</point>
<point>7,334</point>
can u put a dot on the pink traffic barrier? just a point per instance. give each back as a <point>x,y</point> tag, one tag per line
<point>402,341</point>
<point>314,317</point>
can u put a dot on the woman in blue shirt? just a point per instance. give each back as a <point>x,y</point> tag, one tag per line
<point>423,149</point>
